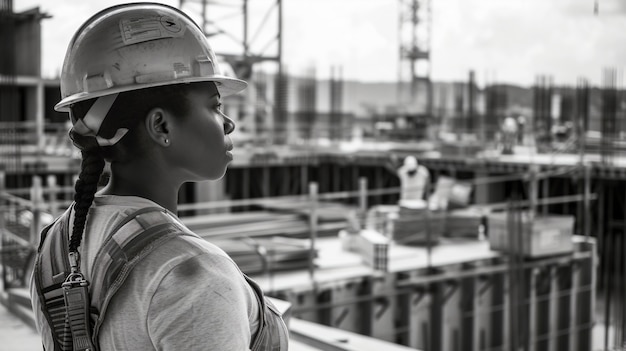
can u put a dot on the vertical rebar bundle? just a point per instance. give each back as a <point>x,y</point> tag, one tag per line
<point>582,114</point>
<point>458,90</point>
<point>542,110</point>
<point>307,92</point>
<point>336,124</point>
<point>281,86</point>
<point>470,123</point>
<point>495,109</point>
<point>609,115</point>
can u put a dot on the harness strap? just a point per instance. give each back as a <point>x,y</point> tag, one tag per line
<point>130,241</point>
<point>134,239</point>
<point>48,277</point>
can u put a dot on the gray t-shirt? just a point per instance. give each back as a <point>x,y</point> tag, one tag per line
<point>185,295</point>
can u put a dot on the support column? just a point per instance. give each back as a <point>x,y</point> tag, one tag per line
<point>39,118</point>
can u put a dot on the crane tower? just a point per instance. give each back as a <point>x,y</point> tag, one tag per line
<point>414,66</point>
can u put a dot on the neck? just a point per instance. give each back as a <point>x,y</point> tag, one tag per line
<point>144,181</point>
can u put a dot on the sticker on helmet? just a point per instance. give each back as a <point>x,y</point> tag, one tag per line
<point>139,29</point>
<point>170,24</point>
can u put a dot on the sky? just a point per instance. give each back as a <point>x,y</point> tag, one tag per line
<point>507,41</point>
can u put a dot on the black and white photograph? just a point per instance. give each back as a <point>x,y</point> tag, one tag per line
<point>312,175</point>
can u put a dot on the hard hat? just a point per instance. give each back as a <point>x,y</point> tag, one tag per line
<point>410,161</point>
<point>509,125</point>
<point>137,46</point>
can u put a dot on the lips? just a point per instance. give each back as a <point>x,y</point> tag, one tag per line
<point>229,143</point>
<point>229,148</point>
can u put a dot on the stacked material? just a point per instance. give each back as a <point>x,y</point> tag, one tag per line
<point>249,224</point>
<point>461,149</point>
<point>378,218</point>
<point>464,223</point>
<point>530,236</point>
<point>330,215</point>
<point>418,226</point>
<point>262,255</point>
<point>371,245</point>
<point>407,224</point>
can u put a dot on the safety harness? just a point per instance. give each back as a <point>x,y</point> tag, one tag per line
<point>75,310</point>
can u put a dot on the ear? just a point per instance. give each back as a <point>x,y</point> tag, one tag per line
<point>157,126</point>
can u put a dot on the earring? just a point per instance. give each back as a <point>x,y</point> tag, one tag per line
<point>166,141</point>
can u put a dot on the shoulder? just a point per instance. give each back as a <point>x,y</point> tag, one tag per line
<point>195,266</point>
<point>184,286</point>
<point>203,291</point>
<point>189,255</point>
<point>206,274</point>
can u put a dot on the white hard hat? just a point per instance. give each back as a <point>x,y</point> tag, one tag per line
<point>137,46</point>
<point>509,125</point>
<point>410,161</point>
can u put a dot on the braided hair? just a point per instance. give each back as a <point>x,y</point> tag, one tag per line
<point>87,184</point>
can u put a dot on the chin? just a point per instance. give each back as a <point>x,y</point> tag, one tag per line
<point>212,175</point>
<point>210,172</point>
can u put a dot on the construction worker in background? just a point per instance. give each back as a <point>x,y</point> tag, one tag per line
<point>414,180</point>
<point>509,135</point>
<point>118,270</point>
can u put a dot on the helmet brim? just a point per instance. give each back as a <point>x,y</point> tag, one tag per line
<point>225,86</point>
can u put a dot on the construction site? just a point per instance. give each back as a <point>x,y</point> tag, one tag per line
<point>513,238</point>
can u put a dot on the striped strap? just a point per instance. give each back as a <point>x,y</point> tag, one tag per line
<point>135,238</point>
<point>51,268</point>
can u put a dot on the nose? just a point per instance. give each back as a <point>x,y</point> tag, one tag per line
<point>229,124</point>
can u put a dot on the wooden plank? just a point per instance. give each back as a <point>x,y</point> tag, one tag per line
<point>225,219</point>
<point>327,338</point>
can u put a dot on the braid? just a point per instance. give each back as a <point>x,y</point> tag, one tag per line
<point>85,189</point>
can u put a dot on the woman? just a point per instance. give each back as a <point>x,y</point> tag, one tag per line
<point>143,89</point>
